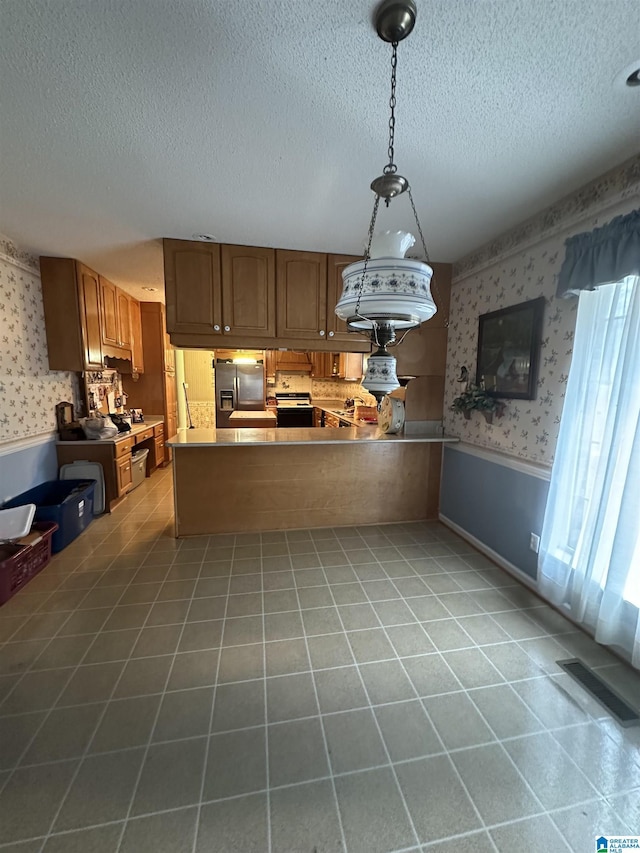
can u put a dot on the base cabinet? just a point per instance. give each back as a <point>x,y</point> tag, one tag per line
<point>124,475</point>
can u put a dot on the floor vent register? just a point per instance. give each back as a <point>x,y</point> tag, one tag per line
<point>600,691</point>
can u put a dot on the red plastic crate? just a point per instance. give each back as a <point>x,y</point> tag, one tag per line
<point>20,563</point>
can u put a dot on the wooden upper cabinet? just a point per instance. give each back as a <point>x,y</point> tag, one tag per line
<point>90,317</point>
<point>116,320</point>
<point>192,287</point>
<point>337,328</point>
<point>110,325</point>
<point>137,352</point>
<point>72,312</point>
<point>169,355</point>
<point>124,319</point>
<point>301,294</point>
<point>351,366</point>
<point>248,291</point>
<point>321,363</point>
<point>270,362</point>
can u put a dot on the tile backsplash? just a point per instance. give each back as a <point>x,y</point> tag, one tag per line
<point>320,389</point>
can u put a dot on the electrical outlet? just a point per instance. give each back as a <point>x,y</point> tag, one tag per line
<point>534,542</point>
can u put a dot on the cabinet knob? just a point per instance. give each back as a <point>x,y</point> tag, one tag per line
<point>227,328</point>
<point>331,334</point>
<point>216,328</point>
<point>321,333</point>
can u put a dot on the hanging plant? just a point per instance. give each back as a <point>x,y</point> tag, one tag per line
<point>474,398</point>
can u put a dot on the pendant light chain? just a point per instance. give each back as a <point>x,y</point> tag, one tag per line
<point>372,225</point>
<point>426,253</point>
<point>391,168</point>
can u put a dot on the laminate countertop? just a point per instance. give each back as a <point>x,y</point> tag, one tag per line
<point>136,429</point>
<point>301,435</point>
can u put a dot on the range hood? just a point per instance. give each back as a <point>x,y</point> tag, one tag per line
<point>290,361</point>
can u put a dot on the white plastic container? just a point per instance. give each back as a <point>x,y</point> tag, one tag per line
<point>138,467</point>
<point>16,522</point>
<point>82,469</point>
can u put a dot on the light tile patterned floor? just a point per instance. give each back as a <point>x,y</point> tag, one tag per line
<point>366,689</point>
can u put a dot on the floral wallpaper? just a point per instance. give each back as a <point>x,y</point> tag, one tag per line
<point>528,428</point>
<point>29,391</point>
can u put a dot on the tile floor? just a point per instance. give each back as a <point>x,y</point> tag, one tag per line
<point>366,690</point>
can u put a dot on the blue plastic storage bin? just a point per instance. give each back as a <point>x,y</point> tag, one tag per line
<point>67,502</point>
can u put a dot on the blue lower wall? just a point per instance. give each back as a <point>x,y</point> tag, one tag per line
<point>23,469</point>
<point>497,504</point>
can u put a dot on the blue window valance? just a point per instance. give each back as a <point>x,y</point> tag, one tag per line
<point>602,256</point>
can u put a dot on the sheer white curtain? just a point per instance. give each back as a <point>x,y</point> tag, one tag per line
<point>590,546</point>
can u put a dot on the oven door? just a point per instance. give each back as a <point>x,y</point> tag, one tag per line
<point>290,416</point>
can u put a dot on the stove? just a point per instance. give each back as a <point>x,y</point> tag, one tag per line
<point>293,400</point>
<point>294,409</point>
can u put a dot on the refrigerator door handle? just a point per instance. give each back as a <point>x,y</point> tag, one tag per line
<point>235,393</point>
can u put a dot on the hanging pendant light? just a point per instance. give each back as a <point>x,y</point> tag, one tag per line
<point>386,292</point>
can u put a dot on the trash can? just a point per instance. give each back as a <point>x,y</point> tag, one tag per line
<point>68,503</point>
<point>138,467</point>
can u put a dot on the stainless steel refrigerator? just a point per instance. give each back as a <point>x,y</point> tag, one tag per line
<point>239,387</point>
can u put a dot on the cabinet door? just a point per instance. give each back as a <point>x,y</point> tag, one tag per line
<point>158,452</point>
<point>192,287</point>
<point>137,352</point>
<point>110,325</point>
<point>124,318</point>
<point>301,294</point>
<point>248,291</point>
<point>169,355</point>
<point>351,366</point>
<point>171,410</point>
<point>318,364</point>
<point>270,358</point>
<point>123,474</point>
<point>337,328</point>
<point>90,316</point>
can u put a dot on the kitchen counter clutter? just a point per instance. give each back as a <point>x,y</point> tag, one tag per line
<point>232,480</point>
<point>137,430</point>
<point>114,455</point>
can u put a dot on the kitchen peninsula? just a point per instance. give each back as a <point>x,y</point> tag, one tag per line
<point>233,480</point>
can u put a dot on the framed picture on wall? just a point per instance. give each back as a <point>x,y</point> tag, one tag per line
<point>508,350</point>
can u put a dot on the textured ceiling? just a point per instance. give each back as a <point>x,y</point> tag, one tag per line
<point>264,121</point>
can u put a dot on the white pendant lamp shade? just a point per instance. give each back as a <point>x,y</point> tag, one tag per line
<point>380,378</point>
<point>394,290</point>
<point>388,288</point>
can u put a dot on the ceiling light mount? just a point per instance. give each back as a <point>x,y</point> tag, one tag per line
<point>394,19</point>
<point>387,292</point>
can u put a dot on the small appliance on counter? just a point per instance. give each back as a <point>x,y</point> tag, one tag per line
<point>123,422</point>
